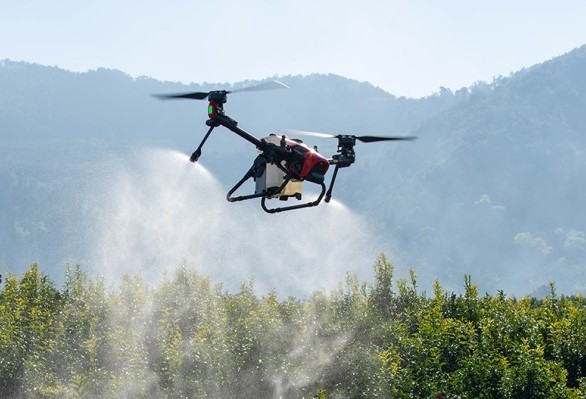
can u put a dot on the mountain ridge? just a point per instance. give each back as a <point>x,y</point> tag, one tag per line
<point>491,187</point>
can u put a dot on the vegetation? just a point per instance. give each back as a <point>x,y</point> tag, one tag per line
<point>185,338</point>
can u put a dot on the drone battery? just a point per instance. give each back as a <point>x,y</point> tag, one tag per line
<point>274,177</point>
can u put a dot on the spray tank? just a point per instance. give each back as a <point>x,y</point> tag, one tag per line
<point>273,177</point>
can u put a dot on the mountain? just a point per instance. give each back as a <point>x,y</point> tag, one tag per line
<point>492,187</point>
<point>499,182</point>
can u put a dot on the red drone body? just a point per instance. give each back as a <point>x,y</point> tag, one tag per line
<point>312,166</point>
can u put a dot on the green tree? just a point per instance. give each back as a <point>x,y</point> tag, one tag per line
<point>28,308</point>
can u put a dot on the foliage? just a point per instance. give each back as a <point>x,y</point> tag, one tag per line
<point>183,337</point>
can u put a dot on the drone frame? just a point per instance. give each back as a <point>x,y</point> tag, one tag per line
<point>270,154</point>
<point>283,155</point>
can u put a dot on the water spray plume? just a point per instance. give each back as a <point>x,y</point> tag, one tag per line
<point>184,159</point>
<point>335,204</point>
<point>153,210</point>
<point>203,171</point>
<point>179,155</point>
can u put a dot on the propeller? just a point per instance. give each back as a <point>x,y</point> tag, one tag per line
<point>364,139</point>
<point>202,95</point>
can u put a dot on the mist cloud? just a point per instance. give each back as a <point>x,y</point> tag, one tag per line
<point>533,241</point>
<point>574,239</point>
<point>152,210</point>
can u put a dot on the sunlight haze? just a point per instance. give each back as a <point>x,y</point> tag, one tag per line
<point>406,48</point>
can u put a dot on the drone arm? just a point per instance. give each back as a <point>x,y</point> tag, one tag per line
<point>274,153</point>
<point>231,124</point>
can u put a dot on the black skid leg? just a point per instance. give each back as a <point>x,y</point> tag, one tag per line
<point>290,208</point>
<point>329,193</point>
<point>256,170</point>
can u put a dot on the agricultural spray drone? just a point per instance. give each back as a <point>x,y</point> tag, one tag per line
<point>283,163</point>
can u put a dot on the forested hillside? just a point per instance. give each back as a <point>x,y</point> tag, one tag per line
<point>47,103</point>
<point>502,173</point>
<point>184,337</point>
<point>491,188</point>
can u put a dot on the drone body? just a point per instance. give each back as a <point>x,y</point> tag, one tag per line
<point>283,163</point>
<point>308,165</point>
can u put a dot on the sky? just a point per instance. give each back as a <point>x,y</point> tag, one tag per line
<point>408,48</point>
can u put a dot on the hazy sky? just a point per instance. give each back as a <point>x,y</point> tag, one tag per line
<point>409,47</point>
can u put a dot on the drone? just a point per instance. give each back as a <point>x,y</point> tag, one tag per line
<point>283,163</point>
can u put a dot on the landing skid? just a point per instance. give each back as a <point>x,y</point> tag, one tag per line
<point>256,171</point>
<point>292,207</point>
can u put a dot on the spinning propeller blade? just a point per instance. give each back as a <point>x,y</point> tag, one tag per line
<point>372,139</point>
<point>202,95</point>
<point>294,132</point>
<point>270,85</point>
<point>364,139</point>
<point>198,95</point>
